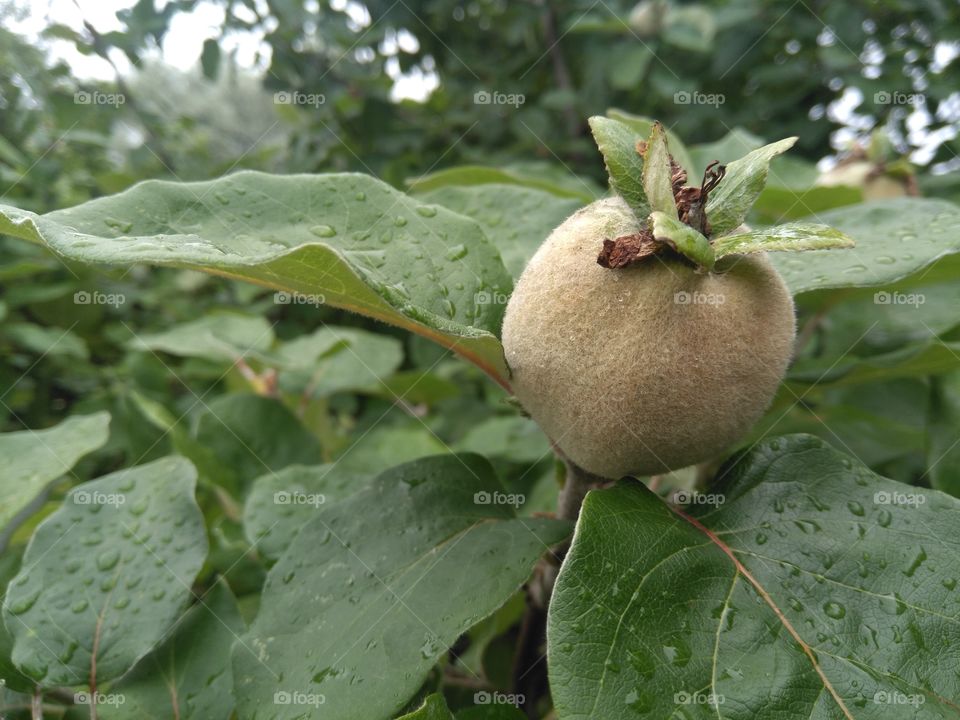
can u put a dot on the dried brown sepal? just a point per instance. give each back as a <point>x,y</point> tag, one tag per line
<point>627,250</point>
<point>692,201</point>
<point>678,176</point>
<point>689,206</point>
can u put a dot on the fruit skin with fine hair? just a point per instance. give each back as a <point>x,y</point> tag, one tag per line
<point>649,368</point>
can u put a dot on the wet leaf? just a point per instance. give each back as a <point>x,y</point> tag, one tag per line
<point>106,576</point>
<point>375,588</point>
<point>801,585</point>
<point>34,458</point>
<point>346,240</point>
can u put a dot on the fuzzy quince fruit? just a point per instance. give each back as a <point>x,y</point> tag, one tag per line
<point>643,369</point>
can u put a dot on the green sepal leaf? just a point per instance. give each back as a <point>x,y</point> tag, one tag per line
<point>346,240</point>
<point>792,237</point>
<point>643,126</point>
<point>106,575</point>
<point>802,585</point>
<point>732,199</point>
<point>657,174</point>
<point>684,239</point>
<point>618,145</point>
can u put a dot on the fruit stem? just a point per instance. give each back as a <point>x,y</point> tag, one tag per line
<point>578,483</point>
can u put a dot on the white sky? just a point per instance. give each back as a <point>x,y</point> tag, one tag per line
<point>184,39</point>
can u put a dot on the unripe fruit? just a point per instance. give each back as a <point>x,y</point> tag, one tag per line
<point>864,175</point>
<point>649,368</point>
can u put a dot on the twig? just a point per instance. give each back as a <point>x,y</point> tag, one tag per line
<point>561,72</point>
<point>36,705</point>
<point>533,627</point>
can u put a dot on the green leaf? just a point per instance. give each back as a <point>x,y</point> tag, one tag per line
<point>779,204</point>
<point>434,708</point>
<point>732,199</point>
<point>618,145</point>
<point>496,711</point>
<point>735,144</point>
<point>643,126</point>
<point>47,341</point>
<point>249,435</point>
<point>943,451</point>
<point>106,576</point>
<point>384,447</point>
<point>657,174</point>
<point>12,678</point>
<point>793,237</point>
<point>348,239</point>
<point>516,219</point>
<point>684,239</point>
<point>895,238</point>
<point>188,676</point>
<point>281,503</point>
<point>210,58</point>
<point>34,458</point>
<point>627,64</point>
<point>473,175</point>
<point>514,438</point>
<point>803,585</point>
<point>864,323</point>
<point>335,359</point>
<point>376,587</point>
<point>219,336</point>
<point>919,359</point>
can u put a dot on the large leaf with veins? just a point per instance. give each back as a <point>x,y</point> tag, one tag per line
<point>816,589</point>
<point>346,239</point>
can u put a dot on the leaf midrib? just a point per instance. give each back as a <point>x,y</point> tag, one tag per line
<point>741,570</point>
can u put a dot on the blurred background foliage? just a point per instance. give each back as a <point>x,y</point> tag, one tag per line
<point>724,76</point>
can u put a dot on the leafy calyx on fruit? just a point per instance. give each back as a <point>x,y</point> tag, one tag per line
<point>689,221</point>
<point>690,202</point>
